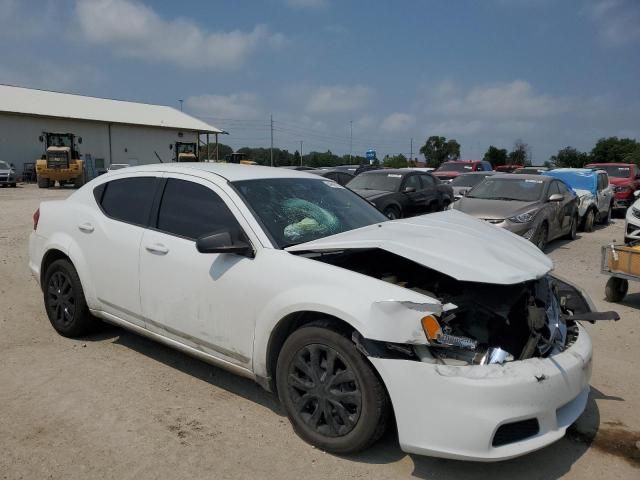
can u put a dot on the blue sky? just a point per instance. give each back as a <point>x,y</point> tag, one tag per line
<point>550,72</point>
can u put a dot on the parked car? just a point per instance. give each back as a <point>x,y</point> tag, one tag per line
<point>531,170</point>
<point>465,182</point>
<point>117,166</point>
<point>459,328</point>
<point>632,221</point>
<point>625,178</point>
<point>340,176</point>
<point>509,168</point>
<point>538,208</point>
<point>402,193</point>
<point>7,175</point>
<point>450,170</point>
<point>347,168</point>
<point>298,167</point>
<point>595,195</point>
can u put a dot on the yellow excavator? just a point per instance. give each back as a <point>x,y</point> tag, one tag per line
<point>186,152</point>
<point>61,161</point>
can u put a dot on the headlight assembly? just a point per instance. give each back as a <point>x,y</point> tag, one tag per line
<point>524,217</point>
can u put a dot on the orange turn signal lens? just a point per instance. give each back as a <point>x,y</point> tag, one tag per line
<point>431,327</point>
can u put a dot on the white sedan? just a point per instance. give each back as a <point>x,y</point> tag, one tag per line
<point>451,325</point>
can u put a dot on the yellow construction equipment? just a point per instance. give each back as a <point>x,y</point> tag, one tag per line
<point>61,161</point>
<point>186,152</point>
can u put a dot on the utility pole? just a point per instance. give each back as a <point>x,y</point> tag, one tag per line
<point>351,140</point>
<point>181,104</point>
<point>271,150</point>
<point>411,150</point>
<point>301,152</point>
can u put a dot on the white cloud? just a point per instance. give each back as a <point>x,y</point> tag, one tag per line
<point>506,100</point>
<point>307,3</point>
<point>135,30</point>
<point>234,106</point>
<point>398,122</point>
<point>331,99</point>
<point>617,21</point>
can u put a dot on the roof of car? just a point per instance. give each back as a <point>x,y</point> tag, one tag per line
<point>613,164</point>
<point>391,171</point>
<point>479,172</point>
<point>524,176</point>
<point>229,171</point>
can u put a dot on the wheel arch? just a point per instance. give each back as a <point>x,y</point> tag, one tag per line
<point>289,324</point>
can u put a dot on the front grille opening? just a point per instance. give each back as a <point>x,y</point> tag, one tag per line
<point>516,431</point>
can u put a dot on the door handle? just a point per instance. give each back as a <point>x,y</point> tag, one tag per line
<point>86,227</point>
<point>157,248</point>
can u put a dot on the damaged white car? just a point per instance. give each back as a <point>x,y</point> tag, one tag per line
<point>294,281</point>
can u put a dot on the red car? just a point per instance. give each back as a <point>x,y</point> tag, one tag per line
<point>625,178</point>
<point>450,170</point>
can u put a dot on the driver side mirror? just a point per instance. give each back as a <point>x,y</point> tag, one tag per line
<point>221,242</point>
<point>556,197</point>
<point>409,189</point>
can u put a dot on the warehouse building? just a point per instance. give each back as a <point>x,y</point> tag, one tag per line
<point>112,131</point>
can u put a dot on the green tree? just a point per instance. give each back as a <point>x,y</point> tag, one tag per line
<point>614,149</point>
<point>520,154</point>
<point>395,161</point>
<point>438,149</point>
<point>223,150</point>
<point>496,156</point>
<point>569,157</point>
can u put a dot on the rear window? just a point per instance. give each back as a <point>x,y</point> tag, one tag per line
<point>127,199</point>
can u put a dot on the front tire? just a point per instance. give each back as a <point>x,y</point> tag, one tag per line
<point>64,300</point>
<point>330,392</point>
<point>392,213</point>
<point>616,289</point>
<point>589,221</point>
<point>542,237</point>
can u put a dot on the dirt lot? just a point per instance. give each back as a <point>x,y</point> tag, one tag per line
<point>115,405</point>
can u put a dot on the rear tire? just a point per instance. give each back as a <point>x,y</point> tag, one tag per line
<point>43,182</point>
<point>589,221</point>
<point>64,300</point>
<point>616,289</point>
<point>331,394</point>
<point>14,185</point>
<point>78,182</point>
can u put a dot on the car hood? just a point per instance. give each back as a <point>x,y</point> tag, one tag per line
<point>493,209</point>
<point>4,170</point>
<point>620,181</point>
<point>449,242</point>
<point>372,194</point>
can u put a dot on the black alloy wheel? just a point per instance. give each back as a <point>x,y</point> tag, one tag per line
<point>324,390</point>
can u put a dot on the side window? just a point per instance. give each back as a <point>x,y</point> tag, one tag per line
<point>479,167</point>
<point>604,181</point>
<point>127,199</point>
<point>563,188</point>
<point>413,181</point>
<point>191,210</point>
<point>427,181</point>
<point>553,188</point>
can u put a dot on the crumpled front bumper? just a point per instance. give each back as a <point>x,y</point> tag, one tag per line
<point>455,412</point>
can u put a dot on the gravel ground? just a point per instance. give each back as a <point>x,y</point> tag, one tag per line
<point>115,405</point>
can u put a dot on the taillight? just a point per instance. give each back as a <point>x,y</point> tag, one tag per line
<point>36,217</point>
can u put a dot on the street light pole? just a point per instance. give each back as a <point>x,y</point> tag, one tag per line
<point>181,104</point>
<point>301,152</point>
<point>350,140</point>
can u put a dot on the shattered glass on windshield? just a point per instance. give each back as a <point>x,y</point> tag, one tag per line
<point>297,210</point>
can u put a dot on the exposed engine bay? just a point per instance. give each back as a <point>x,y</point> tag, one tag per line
<point>481,323</point>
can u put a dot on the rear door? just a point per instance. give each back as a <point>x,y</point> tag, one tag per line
<point>110,242</point>
<point>431,192</point>
<point>201,300</point>
<point>605,193</point>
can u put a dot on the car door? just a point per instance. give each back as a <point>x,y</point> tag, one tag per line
<point>110,242</point>
<point>567,208</point>
<point>417,200</point>
<point>555,211</point>
<point>605,193</point>
<point>431,192</point>
<point>198,299</point>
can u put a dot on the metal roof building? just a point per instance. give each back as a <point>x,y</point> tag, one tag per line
<point>113,131</point>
